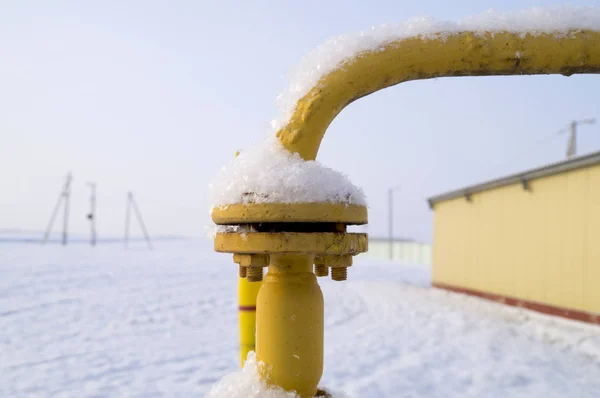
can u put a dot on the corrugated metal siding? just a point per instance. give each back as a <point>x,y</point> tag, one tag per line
<point>539,245</point>
<point>591,280</point>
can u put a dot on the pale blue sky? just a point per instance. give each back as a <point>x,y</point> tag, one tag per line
<point>156,96</point>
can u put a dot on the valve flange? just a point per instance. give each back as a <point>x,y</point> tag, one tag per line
<point>317,229</point>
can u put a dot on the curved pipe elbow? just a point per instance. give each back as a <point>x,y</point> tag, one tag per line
<point>461,54</point>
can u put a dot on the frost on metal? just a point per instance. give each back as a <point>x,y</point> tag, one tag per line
<point>268,173</point>
<point>334,52</point>
<point>212,230</point>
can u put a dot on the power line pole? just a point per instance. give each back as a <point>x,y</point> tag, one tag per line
<point>127,218</point>
<point>66,215</point>
<point>92,214</point>
<point>62,197</point>
<point>131,203</point>
<point>141,221</point>
<point>391,220</point>
<point>572,145</point>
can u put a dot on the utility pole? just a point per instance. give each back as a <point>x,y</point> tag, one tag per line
<point>127,218</point>
<point>131,203</point>
<point>391,220</point>
<point>572,146</point>
<point>92,214</point>
<point>62,197</point>
<point>66,215</point>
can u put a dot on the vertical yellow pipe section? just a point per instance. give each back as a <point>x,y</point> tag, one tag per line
<point>247,293</point>
<point>289,325</point>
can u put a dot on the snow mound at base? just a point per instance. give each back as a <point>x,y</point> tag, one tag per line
<point>246,383</point>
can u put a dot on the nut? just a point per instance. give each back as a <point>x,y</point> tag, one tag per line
<point>335,261</point>
<point>251,260</point>
<point>251,265</point>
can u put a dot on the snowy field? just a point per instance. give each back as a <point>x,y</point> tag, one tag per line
<point>82,322</point>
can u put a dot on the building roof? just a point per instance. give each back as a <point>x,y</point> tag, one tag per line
<point>520,178</point>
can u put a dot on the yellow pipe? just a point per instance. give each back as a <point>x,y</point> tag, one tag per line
<point>289,317</point>
<point>289,325</point>
<point>461,54</point>
<point>247,293</point>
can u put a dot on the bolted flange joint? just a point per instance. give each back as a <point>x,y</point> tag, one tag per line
<point>333,250</point>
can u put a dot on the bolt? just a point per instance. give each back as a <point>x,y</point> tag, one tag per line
<point>321,270</point>
<point>320,266</point>
<point>250,266</point>
<point>339,274</point>
<point>254,274</point>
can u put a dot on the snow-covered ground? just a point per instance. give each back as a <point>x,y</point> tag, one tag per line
<point>82,322</point>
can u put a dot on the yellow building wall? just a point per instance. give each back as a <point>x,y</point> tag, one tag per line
<point>539,245</point>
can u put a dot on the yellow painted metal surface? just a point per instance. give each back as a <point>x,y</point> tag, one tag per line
<point>292,242</point>
<point>464,54</point>
<point>247,293</point>
<point>290,212</point>
<point>290,303</point>
<point>289,325</point>
<point>591,268</point>
<point>289,307</point>
<point>539,245</point>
